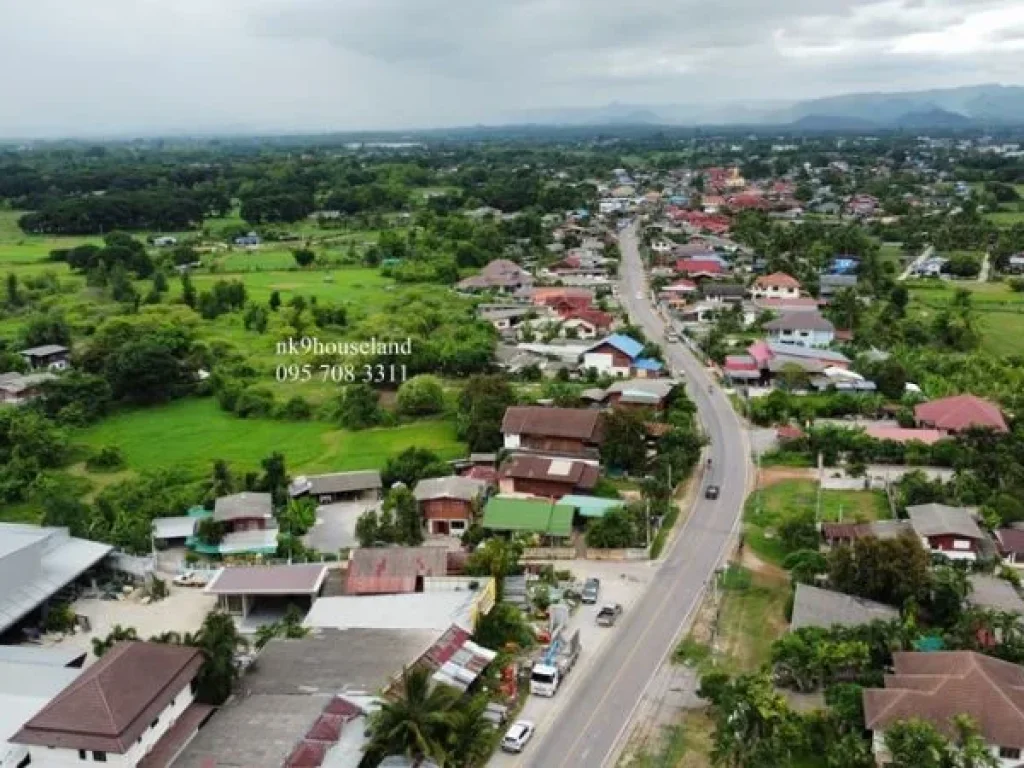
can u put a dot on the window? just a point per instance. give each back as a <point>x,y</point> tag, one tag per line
<point>99,757</point>
<point>82,754</point>
<point>1009,753</point>
<point>155,721</point>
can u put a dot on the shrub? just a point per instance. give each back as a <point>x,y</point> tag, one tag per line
<point>107,458</point>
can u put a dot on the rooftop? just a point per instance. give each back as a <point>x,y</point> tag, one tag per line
<point>800,321</point>
<point>299,579</point>
<point>941,519</point>
<point>578,423</point>
<point>814,607</point>
<point>938,685</point>
<point>243,505</point>
<point>337,482</point>
<point>533,515</point>
<point>627,345</point>
<point>412,611</point>
<point>580,474</point>
<point>451,487</point>
<point>997,594</point>
<point>961,412</point>
<point>383,570</point>
<point>112,702</point>
<point>777,280</point>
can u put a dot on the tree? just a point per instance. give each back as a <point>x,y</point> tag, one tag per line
<point>147,371</point>
<point>222,483</point>
<point>275,477</point>
<point>617,529</point>
<point>421,395</point>
<point>625,441</point>
<point>50,328</point>
<point>402,506</point>
<point>359,408</point>
<point>297,517</point>
<point>889,571</point>
<point>418,723</point>
<point>275,301</point>
<point>219,641</point>
<point>482,405</point>
<point>503,625</point>
<point>304,257</point>
<point>188,291</point>
<point>497,558</point>
<point>255,318</point>
<point>798,532</point>
<point>116,635</point>
<point>211,532</point>
<point>470,740</point>
<point>916,744</point>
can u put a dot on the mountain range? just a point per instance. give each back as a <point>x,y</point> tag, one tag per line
<point>976,106</point>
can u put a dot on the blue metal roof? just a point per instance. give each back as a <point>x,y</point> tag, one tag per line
<point>625,344</point>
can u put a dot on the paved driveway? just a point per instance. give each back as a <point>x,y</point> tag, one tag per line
<point>336,525</point>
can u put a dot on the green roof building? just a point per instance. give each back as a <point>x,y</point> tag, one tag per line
<point>521,515</point>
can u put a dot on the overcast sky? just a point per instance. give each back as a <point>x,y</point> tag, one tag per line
<point>80,67</point>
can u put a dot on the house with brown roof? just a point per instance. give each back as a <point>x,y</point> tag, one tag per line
<point>338,486</point>
<point>777,285</point>
<point>501,275</point>
<point>572,432</point>
<point>806,329</point>
<point>551,478</point>
<point>447,504</point>
<point>960,413</point>
<point>133,707</point>
<point>939,685</point>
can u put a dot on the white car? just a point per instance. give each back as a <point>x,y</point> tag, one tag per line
<point>517,736</point>
<point>639,294</point>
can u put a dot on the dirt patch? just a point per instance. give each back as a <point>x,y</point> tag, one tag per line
<point>773,475</point>
<point>752,562</point>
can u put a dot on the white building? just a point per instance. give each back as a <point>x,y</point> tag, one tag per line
<point>132,708</point>
<point>778,285</point>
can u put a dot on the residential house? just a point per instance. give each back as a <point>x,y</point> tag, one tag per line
<point>806,329</point>
<point>862,205</point>
<point>133,707</point>
<point>653,394</point>
<point>248,523</point>
<point>945,530</point>
<point>723,293</point>
<point>515,514</point>
<point>700,268</point>
<point>662,246</point>
<point>619,355</point>
<point>249,240</point>
<point>550,478</point>
<point>782,306</point>
<point>766,363</point>
<point>960,413</point>
<point>777,285</point>
<point>52,357</point>
<point>587,323</point>
<point>680,289</point>
<point>447,504</point>
<point>364,485</point>
<point>836,534</point>
<point>830,285</point>
<point>563,300</point>
<point>505,317</point>
<point>825,608</point>
<point>1015,264</point>
<point>994,593</point>
<point>165,241</point>
<point>1010,544</point>
<point>937,686</point>
<point>572,432</point>
<point>501,275</point>
<point>17,388</point>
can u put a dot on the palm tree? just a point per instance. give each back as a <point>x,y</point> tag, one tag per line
<point>118,634</point>
<point>419,724</point>
<point>219,640</point>
<point>471,733</point>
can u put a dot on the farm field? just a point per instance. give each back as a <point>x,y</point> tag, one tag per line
<point>768,508</point>
<point>1000,311</point>
<point>191,434</point>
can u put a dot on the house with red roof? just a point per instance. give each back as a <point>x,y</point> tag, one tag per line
<point>563,300</point>
<point>680,288</point>
<point>960,413</point>
<point>1010,543</point>
<point>777,285</point>
<point>700,268</point>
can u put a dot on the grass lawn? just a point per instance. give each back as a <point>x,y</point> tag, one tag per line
<point>358,286</point>
<point>769,507</point>
<point>1006,218</point>
<point>192,433</point>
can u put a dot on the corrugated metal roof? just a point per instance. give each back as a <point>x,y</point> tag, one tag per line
<point>591,506</point>
<point>384,570</point>
<point>300,579</point>
<point>504,513</point>
<point>62,559</point>
<point>173,527</point>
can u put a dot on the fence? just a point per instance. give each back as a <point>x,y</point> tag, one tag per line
<point>549,553</point>
<point>618,555</point>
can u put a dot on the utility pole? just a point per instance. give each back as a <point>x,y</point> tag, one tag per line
<point>821,476</point>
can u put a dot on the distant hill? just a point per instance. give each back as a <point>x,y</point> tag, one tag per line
<point>976,105</point>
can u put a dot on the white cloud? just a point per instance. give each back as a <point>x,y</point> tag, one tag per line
<point>72,67</point>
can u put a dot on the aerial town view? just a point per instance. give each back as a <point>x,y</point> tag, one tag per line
<point>549,384</point>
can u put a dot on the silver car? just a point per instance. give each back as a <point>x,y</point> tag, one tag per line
<point>591,588</point>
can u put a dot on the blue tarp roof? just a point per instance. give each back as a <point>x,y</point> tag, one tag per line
<point>647,364</point>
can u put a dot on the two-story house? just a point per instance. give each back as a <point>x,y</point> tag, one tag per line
<point>132,708</point>
<point>621,356</point>
<point>570,432</point>
<point>945,530</point>
<point>447,504</point>
<point>939,685</point>
<point>777,285</point>
<point>806,329</point>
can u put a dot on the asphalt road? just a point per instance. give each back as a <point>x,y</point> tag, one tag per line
<point>593,722</point>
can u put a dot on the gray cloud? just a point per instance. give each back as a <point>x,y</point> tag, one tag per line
<point>146,65</point>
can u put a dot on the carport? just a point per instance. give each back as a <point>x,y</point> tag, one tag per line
<point>267,591</point>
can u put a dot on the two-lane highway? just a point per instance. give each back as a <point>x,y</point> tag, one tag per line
<point>589,728</point>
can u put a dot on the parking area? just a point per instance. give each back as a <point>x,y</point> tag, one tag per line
<point>622,583</point>
<point>335,526</point>
<point>183,610</point>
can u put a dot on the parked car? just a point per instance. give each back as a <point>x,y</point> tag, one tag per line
<point>711,492</point>
<point>609,614</point>
<point>591,588</point>
<point>496,713</point>
<point>517,736</point>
